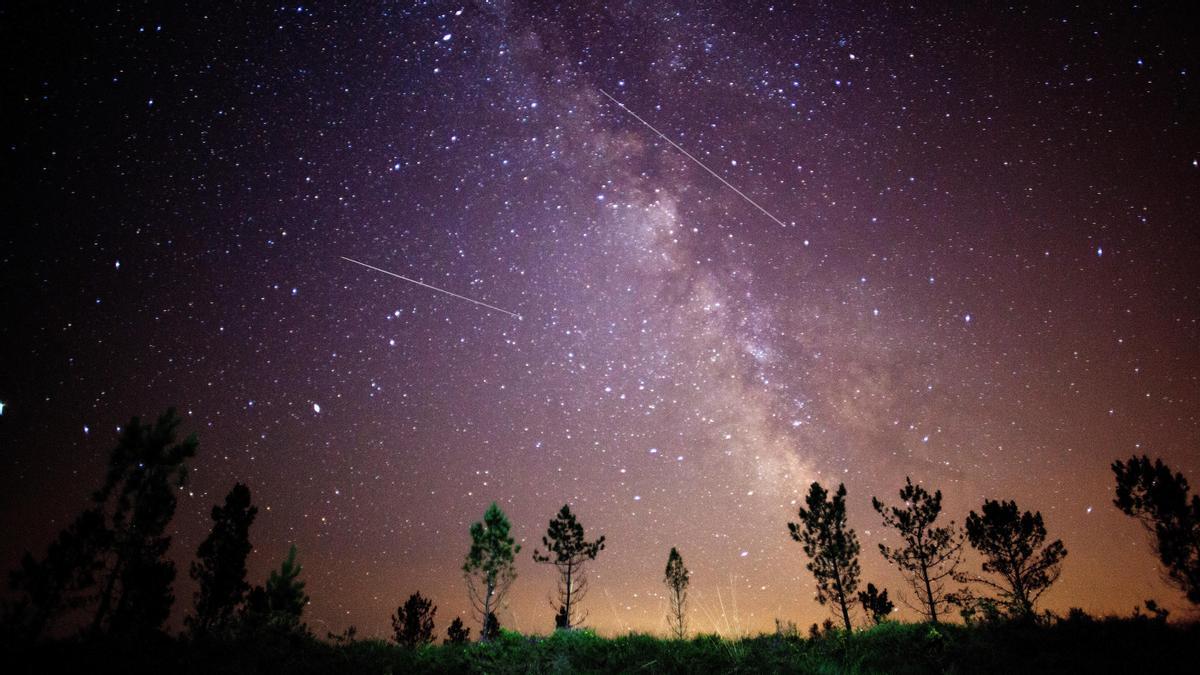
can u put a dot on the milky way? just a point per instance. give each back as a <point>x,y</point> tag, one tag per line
<point>975,264</point>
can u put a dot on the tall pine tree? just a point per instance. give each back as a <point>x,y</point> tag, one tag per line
<point>112,559</point>
<point>489,568</point>
<point>1162,502</point>
<point>568,551</point>
<point>145,471</point>
<point>831,546</point>
<point>1020,564</point>
<point>220,571</point>
<point>677,577</point>
<point>929,554</point>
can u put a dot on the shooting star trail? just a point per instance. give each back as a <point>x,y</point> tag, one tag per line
<point>698,162</point>
<point>435,288</point>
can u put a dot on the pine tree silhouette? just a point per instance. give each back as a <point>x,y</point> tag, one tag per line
<point>677,577</point>
<point>220,571</point>
<point>568,551</point>
<point>831,546</point>
<point>144,472</point>
<point>457,634</point>
<point>1015,552</point>
<point>63,581</point>
<point>281,602</point>
<point>1160,500</point>
<point>930,555</point>
<point>489,568</point>
<point>876,603</point>
<point>113,556</point>
<point>413,621</point>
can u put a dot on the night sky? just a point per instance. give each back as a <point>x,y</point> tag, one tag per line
<point>987,278</point>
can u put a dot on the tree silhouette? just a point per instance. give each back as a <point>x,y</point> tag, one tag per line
<point>413,621</point>
<point>1160,501</point>
<point>457,634</point>
<point>816,632</point>
<point>220,571</point>
<point>282,601</point>
<point>144,472</point>
<point>59,583</point>
<point>1156,613</point>
<point>929,555</point>
<point>677,577</point>
<point>562,620</point>
<point>568,551</point>
<point>876,603</point>
<point>1015,551</point>
<point>831,546</point>
<point>114,553</point>
<point>489,567</point>
<point>490,629</point>
<point>346,637</point>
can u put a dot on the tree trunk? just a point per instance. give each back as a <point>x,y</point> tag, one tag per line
<point>677,607</point>
<point>929,594</point>
<point>837,581</point>
<point>487,611</point>
<point>567,601</point>
<point>106,595</point>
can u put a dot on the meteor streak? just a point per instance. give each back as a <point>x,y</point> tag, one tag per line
<point>698,162</point>
<point>435,288</point>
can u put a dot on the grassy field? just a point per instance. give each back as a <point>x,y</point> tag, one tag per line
<point>1083,645</point>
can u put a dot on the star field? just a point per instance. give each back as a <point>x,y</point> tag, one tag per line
<point>986,279</point>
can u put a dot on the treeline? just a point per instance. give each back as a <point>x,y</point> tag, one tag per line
<point>107,575</point>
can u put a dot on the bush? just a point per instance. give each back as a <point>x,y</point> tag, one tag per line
<point>1075,644</point>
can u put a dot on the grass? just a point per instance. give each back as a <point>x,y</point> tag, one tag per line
<point>1075,645</point>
